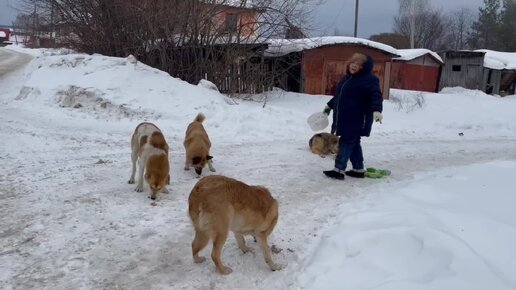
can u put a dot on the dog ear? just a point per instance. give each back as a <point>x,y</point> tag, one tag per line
<point>196,160</point>
<point>209,157</point>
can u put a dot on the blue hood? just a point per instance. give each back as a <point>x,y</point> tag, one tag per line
<point>367,68</point>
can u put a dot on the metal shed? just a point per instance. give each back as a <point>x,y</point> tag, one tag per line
<point>416,69</point>
<point>321,62</point>
<point>462,69</point>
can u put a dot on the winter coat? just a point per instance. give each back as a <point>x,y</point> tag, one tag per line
<point>356,98</point>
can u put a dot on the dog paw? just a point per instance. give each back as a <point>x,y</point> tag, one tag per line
<point>131,181</point>
<point>225,270</point>
<point>275,267</point>
<point>187,168</point>
<point>213,169</point>
<point>139,188</point>
<point>199,259</point>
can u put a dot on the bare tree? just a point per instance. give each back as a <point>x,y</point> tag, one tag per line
<point>410,11</point>
<point>221,40</point>
<point>432,34</point>
<point>422,26</point>
<point>35,19</point>
<point>460,21</point>
<point>392,39</point>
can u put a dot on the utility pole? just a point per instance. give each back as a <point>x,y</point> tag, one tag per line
<point>356,17</point>
<point>34,22</point>
<point>412,16</point>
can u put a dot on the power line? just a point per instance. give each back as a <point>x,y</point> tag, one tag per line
<point>335,19</point>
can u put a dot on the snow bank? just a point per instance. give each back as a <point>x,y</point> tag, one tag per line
<point>450,229</point>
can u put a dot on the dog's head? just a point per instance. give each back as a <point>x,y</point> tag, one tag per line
<point>157,174</point>
<point>157,182</point>
<point>199,162</point>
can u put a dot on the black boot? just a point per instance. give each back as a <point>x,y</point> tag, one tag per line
<point>357,174</point>
<point>334,174</point>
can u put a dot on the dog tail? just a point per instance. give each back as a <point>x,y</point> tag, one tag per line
<point>200,117</point>
<point>158,140</point>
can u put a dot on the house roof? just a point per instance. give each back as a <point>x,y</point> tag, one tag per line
<point>280,47</point>
<point>410,54</point>
<point>462,54</point>
<point>499,60</point>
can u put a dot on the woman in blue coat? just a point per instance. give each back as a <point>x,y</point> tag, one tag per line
<point>356,103</point>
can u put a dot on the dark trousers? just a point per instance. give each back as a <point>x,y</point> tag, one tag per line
<point>350,150</point>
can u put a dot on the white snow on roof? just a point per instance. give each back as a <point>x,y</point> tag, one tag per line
<point>2,34</point>
<point>410,54</point>
<point>498,59</point>
<point>236,3</point>
<point>279,47</point>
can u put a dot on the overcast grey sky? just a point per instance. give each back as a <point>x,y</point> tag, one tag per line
<point>7,14</point>
<point>375,16</point>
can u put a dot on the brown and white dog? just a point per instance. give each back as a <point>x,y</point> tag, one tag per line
<point>197,146</point>
<point>219,204</point>
<point>324,144</point>
<point>151,150</point>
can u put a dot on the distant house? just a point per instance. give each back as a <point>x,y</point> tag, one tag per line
<point>416,69</point>
<point>499,72</point>
<point>235,18</point>
<point>315,65</point>
<point>462,69</point>
<point>5,34</point>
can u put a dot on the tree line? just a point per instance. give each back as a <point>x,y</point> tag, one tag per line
<point>419,25</point>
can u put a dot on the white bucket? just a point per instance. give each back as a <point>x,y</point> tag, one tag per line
<point>318,121</point>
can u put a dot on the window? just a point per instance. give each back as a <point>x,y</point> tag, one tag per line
<point>456,68</point>
<point>231,22</point>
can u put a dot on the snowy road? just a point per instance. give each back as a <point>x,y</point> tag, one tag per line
<point>11,60</point>
<point>120,242</point>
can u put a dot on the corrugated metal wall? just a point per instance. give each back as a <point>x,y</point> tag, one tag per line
<point>409,76</point>
<point>324,66</point>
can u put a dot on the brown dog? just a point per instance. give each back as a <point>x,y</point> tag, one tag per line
<point>197,146</point>
<point>324,144</point>
<point>219,204</point>
<point>148,144</point>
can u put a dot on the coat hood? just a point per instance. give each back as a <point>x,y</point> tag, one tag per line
<point>367,68</point>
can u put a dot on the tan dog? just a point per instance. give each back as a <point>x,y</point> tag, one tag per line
<point>197,146</point>
<point>219,204</point>
<point>149,146</point>
<point>324,144</point>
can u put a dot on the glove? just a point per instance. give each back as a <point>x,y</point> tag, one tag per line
<point>377,116</point>
<point>327,110</point>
